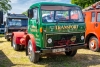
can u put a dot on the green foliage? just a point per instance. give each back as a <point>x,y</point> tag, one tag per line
<point>25,13</point>
<point>84,3</point>
<point>5,6</point>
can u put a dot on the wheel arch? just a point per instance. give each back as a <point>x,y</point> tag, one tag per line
<point>32,38</point>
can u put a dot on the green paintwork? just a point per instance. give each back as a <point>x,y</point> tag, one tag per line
<point>53,30</point>
<point>63,27</point>
<point>51,3</point>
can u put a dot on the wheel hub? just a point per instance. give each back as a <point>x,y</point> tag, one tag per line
<point>30,51</point>
<point>93,44</point>
<point>13,43</point>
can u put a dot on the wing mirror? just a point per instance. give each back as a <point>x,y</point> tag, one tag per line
<point>30,13</point>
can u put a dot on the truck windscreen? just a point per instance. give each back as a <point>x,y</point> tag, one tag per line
<point>61,14</point>
<point>17,22</point>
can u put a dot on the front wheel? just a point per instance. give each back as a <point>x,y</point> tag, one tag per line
<point>94,44</point>
<point>71,53</point>
<point>34,57</point>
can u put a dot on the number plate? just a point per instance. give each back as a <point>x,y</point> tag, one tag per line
<point>58,50</point>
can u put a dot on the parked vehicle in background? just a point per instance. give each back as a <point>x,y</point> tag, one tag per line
<point>92,19</point>
<point>1,22</point>
<point>2,28</point>
<point>61,34</point>
<point>15,22</point>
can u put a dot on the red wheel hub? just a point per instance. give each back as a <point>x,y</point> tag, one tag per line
<point>93,44</point>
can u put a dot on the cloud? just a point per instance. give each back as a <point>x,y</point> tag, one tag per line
<point>19,6</point>
<point>14,1</point>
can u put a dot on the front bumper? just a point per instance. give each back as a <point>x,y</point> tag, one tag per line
<point>62,49</point>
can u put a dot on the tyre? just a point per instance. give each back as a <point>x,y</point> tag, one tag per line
<point>34,57</point>
<point>21,47</point>
<point>71,53</point>
<point>8,39</point>
<point>94,44</point>
<point>5,37</point>
<point>15,46</point>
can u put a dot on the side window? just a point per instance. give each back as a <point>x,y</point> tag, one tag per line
<point>93,17</point>
<point>35,11</point>
<point>98,17</point>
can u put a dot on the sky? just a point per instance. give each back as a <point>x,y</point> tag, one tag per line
<point>20,6</point>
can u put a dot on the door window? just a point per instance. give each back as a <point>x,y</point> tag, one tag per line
<point>35,11</point>
<point>98,17</point>
<point>93,17</point>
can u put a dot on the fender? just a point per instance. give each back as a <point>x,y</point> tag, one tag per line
<point>32,38</point>
<point>17,36</point>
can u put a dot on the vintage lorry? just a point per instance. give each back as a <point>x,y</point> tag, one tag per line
<point>92,19</point>
<point>51,29</point>
<point>15,22</point>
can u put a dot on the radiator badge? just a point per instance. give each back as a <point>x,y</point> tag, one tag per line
<point>73,38</point>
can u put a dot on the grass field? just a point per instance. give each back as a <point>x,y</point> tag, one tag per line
<point>11,58</point>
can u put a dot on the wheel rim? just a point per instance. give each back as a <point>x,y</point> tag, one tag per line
<point>93,44</point>
<point>14,44</point>
<point>30,50</point>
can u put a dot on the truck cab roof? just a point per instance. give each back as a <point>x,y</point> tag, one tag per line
<point>51,3</point>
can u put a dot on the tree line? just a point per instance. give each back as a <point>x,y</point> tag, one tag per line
<point>84,3</point>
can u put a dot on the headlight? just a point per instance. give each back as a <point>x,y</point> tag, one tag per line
<point>82,37</point>
<point>49,40</point>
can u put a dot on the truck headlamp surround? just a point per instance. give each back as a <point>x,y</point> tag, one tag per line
<point>49,40</point>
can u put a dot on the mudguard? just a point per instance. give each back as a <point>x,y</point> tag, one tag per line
<point>17,36</point>
<point>32,38</point>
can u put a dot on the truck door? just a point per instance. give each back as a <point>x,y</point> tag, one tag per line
<point>90,20</point>
<point>93,21</point>
<point>34,24</point>
<point>97,23</point>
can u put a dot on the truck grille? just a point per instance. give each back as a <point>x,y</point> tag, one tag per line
<point>59,40</point>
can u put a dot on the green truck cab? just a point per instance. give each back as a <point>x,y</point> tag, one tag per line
<point>52,27</point>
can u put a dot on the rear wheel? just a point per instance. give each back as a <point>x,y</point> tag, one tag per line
<point>15,46</point>
<point>94,44</point>
<point>71,53</point>
<point>34,57</point>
